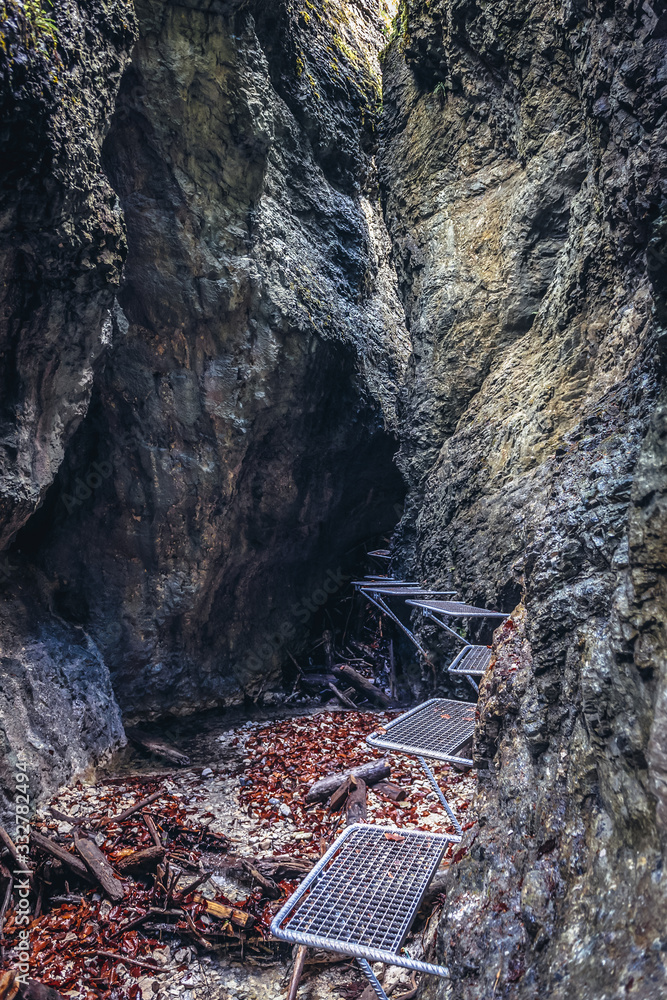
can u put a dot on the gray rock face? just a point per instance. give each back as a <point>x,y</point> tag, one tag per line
<point>523,169</point>
<point>62,241</point>
<point>241,422</point>
<point>62,245</point>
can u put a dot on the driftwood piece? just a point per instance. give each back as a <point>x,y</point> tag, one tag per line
<point>11,847</point>
<point>223,912</point>
<point>157,746</point>
<point>376,770</point>
<point>269,888</point>
<point>314,683</point>
<point>358,681</point>
<point>355,807</point>
<point>343,698</point>
<point>140,861</point>
<point>297,972</point>
<point>390,790</point>
<point>100,868</point>
<point>61,854</point>
<point>151,827</point>
<point>339,797</point>
<point>131,809</point>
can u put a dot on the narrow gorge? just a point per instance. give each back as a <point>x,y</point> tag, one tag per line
<point>284,278</point>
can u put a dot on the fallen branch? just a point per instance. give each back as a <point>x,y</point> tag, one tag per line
<point>343,697</point>
<point>126,960</point>
<point>99,868</point>
<point>106,820</point>
<point>355,807</point>
<point>61,854</point>
<point>376,770</point>
<point>140,861</point>
<point>11,847</point>
<point>152,829</point>
<point>357,680</point>
<point>269,888</point>
<point>158,746</point>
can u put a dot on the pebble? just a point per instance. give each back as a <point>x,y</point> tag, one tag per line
<point>285,809</point>
<point>207,772</point>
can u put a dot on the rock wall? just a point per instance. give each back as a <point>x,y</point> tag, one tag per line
<point>62,246</point>
<point>523,170</point>
<point>224,443</point>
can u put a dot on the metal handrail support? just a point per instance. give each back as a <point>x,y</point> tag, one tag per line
<point>438,792</point>
<point>379,603</point>
<point>429,614</point>
<point>372,979</point>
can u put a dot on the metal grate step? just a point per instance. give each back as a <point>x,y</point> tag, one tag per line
<point>471,660</point>
<point>457,609</point>
<point>439,729</point>
<point>362,896</point>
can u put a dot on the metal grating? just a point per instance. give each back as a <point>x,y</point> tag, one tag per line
<point>457,609</point>
<point>364,893</point>
<point>406,590</point>
<point>439,729</point>
<point>471,660</point>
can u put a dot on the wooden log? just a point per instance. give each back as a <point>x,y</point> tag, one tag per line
<point>11,847</point>
<point>9,985</point>
<point>339,797</point>
<point>355,807</point>
<point>152,829</point>
<point>132,809</point>
<point>157,746</point>
<point>140,861</point>
<point>61,854</point>
<point>342,697</point>
<point>297,972</point>
<point>286,868</point>
<point>100,869</point>
<point>357,680</point>
<point>376,770</point>
<point>389,790</point>
<point>269,888</point>
<point>138,962</point>
<point>223,912</point>
<point>314,683</point>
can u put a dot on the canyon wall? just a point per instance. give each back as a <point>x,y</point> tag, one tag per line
<point>213,434</point>
<point>240,261</point>
<point>523,169</point>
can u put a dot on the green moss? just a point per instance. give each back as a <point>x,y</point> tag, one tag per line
<point>43,27</point>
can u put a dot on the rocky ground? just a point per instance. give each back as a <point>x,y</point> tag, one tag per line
<point>247,783</point>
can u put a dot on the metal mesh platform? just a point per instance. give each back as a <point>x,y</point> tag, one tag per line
<point>471,660</point>
<point>458,609</point>
<point>439,729</point>
<point>362,896</point>
<point>405,590</point>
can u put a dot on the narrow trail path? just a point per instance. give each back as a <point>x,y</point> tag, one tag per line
<point>247,783</point>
